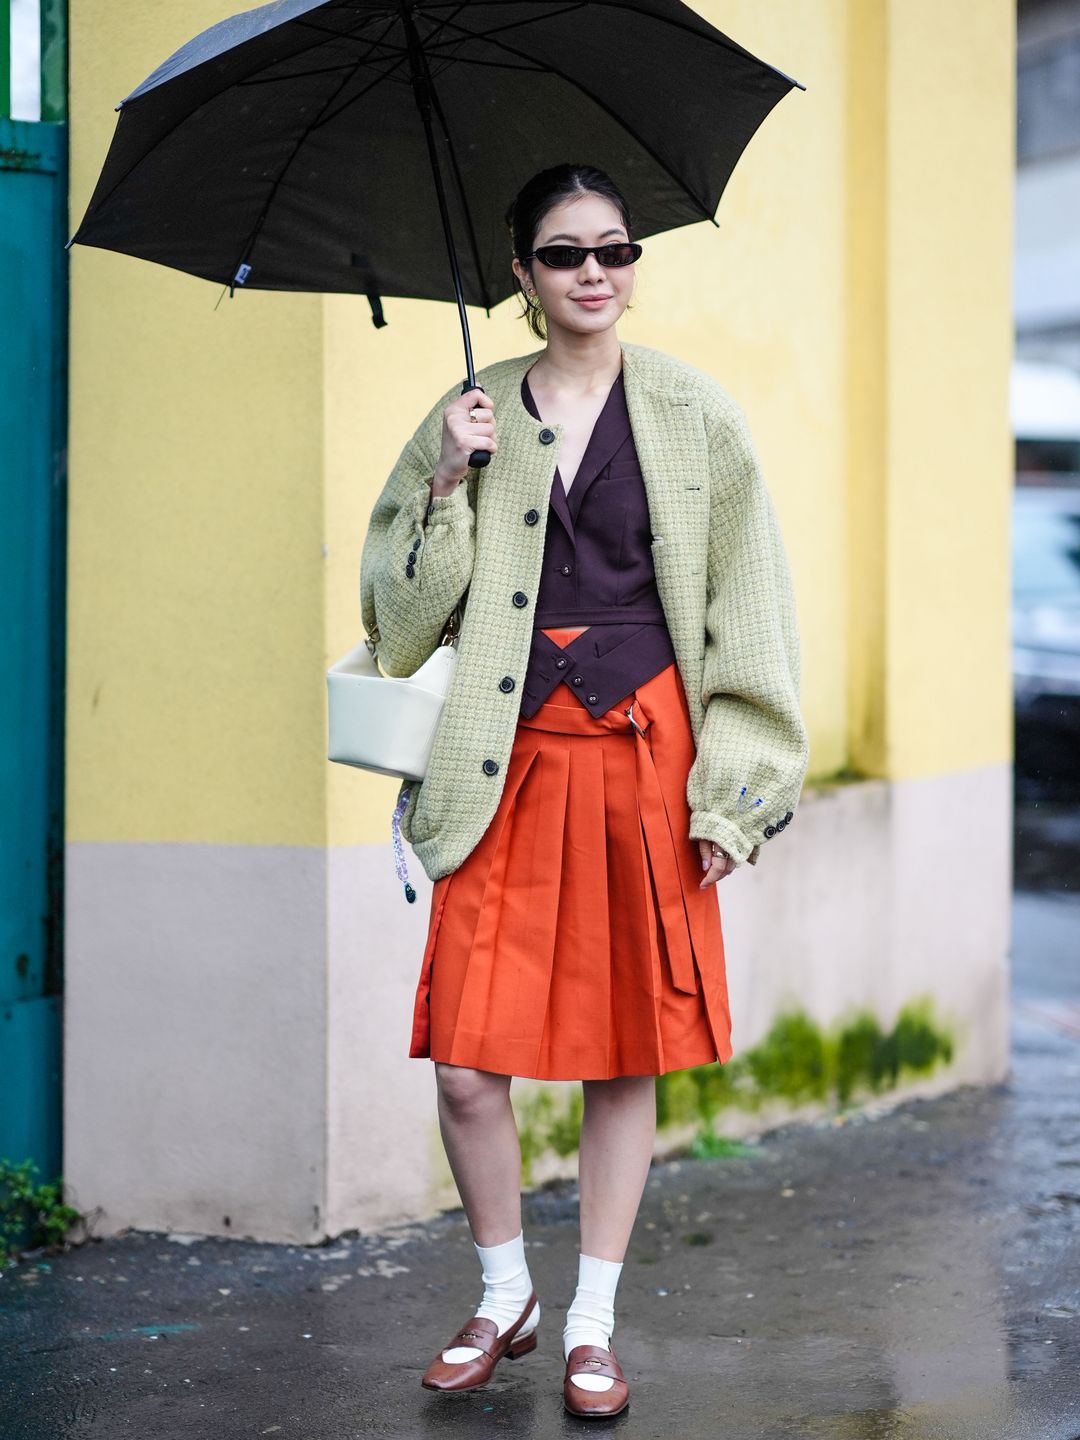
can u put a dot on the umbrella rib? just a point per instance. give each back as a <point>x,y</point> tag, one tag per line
<point>302,24</point>
<point>325,119</point>
<point>518,24</point>
<point>530,22</point>
<point>321,119</point>
<point>253,237</point>
<point>718,38</point>
<point>128,173</point>
<point>551,69</point>
<point>490,65</point>
<point>295,75</point>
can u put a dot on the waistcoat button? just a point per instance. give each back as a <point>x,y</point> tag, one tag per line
<point>506,684</point>
<point>546,436</point>
<point>593,699</point>
<point>490,767</point>
<point>577,680</point>
<point>566,569</point>
<point>520,598</point>
<point>531,517</point>
<point>560,664</point>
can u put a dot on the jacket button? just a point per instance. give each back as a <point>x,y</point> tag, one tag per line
<point>531,517</point>
<point>506,684</point>
<point>577,680</point>
<point>789,816</point>
<point>410,569</point>
<point>770,831</point>
<point>566,569</point>
<point>490,767</point>
<point>780,824</point>
<point>560,664</point>
<point>520,598</point>
<point>412,556</point>
<point>546,436</point>
<point>593,699</point>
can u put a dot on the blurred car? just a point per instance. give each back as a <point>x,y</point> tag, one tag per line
<point>1046,641</point>
<point>1044,411</point>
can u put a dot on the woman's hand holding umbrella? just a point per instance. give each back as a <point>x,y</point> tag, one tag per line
<point>468,426</point>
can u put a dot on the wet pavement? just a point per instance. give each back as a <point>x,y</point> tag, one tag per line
<point>911,1273</point>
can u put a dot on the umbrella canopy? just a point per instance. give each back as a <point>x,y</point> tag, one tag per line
<point>292,147</point>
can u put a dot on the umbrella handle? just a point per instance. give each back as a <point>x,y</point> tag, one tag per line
<point>479,458</point>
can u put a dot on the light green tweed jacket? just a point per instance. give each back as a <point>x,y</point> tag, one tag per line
<point>721,572</point>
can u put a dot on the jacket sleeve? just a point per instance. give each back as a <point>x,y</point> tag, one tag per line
<point>753,750</point>
<point>417,557</point>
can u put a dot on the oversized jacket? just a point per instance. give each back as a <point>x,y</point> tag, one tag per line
<point>721,571</point>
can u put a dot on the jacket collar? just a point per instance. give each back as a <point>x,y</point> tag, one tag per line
<point>647,373</point>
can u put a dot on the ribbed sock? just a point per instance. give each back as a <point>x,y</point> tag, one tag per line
<point>507,1286</point>
<point>591,1317</point>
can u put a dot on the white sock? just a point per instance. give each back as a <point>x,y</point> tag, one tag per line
<point>591,1317</point>
<point>507,1285</point>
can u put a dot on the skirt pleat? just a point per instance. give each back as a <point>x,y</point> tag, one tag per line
<point>574,941</point>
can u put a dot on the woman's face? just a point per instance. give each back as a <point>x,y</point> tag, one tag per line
<point>586,220</point>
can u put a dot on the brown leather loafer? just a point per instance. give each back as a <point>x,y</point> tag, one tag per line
<point>481,1334</point>
<point>594,1360</point>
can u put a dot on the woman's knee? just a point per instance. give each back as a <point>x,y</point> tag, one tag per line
<point>618,1086</point>
<point>634,1091</point>
<point>467,1092</point>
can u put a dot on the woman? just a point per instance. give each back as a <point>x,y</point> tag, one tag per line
<point>623,730</point>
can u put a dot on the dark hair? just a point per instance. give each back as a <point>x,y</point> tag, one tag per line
<point>543,192</point>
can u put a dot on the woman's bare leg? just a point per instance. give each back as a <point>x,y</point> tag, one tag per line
<point>480,1135</point>
<point>481,1139</point>
<point>617,1134</point>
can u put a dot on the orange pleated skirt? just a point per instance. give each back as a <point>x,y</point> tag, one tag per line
<point>574,942</point>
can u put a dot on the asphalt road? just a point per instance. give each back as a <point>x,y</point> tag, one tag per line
<point>911,1273</point>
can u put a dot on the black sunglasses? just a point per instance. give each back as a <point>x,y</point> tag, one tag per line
<point>569,257</point>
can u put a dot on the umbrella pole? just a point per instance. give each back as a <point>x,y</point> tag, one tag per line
<point>421,83</point>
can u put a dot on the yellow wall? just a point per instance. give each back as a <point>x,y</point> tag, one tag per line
<point>855,299</point>
<point>949,160</point>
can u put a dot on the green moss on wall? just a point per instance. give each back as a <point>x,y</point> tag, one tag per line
<point>797,1061</point>
<point>792,1061</point>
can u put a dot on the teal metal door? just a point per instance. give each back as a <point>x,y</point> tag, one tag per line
<point>33,385</point>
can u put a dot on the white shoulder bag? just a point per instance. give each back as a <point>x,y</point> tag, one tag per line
<point>387,723</point>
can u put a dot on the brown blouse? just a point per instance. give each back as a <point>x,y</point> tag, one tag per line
<point>598,571</point>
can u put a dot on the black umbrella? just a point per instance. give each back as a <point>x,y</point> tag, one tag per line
<point>286,148</point>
